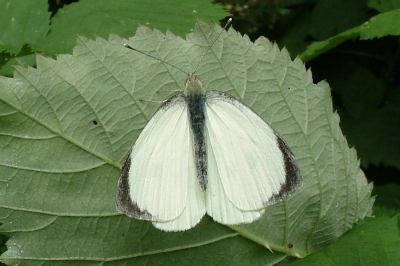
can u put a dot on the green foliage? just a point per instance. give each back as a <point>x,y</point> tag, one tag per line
<point>371,242</point>
<point>355,52</point>
<point>22,22</point>
<point>66,126</point>
<point>388,200</point>
<point>384,6</point>
<point>325,34</point>
<point>377,27</point>
<point>123,17</point>
<point>29,23</point>
<point>75,162</point>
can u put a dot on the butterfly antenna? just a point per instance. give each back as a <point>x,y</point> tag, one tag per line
<point>165,62</point>
<point>171,65</point>
<point>209,47</point>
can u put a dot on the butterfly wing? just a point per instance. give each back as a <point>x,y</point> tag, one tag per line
<point>218,205</point>
<point>159,179</point>
<point>249,165</point>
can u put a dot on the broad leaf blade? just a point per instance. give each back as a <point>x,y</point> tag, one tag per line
<point>69,123</point>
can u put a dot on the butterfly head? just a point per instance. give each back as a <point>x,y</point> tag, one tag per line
<point>193,85</point>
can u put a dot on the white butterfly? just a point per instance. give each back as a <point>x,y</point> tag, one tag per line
<point>205,152</point>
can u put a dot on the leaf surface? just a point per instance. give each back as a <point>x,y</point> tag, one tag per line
<point>67,126</point>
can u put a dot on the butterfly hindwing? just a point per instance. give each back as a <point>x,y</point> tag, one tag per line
<point>219,207</point>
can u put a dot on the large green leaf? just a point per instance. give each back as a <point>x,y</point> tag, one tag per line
<point>67,125</point>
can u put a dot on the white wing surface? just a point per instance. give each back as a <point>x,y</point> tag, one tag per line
<point>219,207</point>
<point>244,160</point>
<point>162,175</point>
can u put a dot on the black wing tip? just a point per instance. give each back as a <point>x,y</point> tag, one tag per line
<point>293,177</point>
<point>123,201</point>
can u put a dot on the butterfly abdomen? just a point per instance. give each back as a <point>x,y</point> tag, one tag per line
<point>196,105</point>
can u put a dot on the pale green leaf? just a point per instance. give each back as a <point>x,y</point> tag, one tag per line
<point>67,126</point>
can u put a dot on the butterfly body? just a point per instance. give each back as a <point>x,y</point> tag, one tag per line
<point>195,99</point>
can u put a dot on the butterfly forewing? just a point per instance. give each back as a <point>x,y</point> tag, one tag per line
<point>160,192</point>
<point>248,159</point>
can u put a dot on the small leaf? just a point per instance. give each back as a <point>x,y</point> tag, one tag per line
<point>379,26</point>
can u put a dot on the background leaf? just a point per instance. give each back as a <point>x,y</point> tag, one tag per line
<point>22,22</point>
<point>377,27</point>
<point>68,124</point>
<point>371,242</point>
<point>384,6</point>
<point>29,23</point>
<point>388,200</point>
<point>123,17</point>
<point>360,89</point>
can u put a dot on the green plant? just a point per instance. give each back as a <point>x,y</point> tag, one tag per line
<point>67,125</point>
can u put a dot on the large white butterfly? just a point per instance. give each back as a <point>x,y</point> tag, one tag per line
<point>205,152</point>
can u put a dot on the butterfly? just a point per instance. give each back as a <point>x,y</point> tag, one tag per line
<point>205,152</point>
